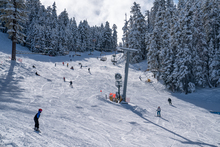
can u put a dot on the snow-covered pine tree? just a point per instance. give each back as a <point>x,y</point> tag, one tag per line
<point>137,33</point>
<point>107,36</point>
<point>114,37</point>
<point>125,33</point>
<point>166,54</point>
<point>63,21</point>
<point>154,58</point>
<point>33,7</point>
<point>100,38</point>
<point>169,43</point>
<point>54,16</point>
<point>200,45</point>
<point>187,51</point>
<point>14,15</point>
<point>72,35</point>
<point>2,23</point>
<point>153,13</point>
<point>83,34</point>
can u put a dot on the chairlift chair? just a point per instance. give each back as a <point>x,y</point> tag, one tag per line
<point>103,58</point>
<point>113,59</point>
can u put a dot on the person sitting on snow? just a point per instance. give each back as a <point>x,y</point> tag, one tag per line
<point>158,111</point>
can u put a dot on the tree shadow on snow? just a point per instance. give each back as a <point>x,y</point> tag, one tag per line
<point>207,98</point>
<point>187,141</point>
<point>199,143</point>
<point>9,89</point>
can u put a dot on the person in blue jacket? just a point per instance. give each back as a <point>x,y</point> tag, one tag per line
<point>158,111</point>
<point>36,117</point>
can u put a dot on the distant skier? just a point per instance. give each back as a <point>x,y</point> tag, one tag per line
<point>55,64</point>
<point>140,78</point>
<point>158,111</point>
<point>72,68</point>
<point>81,66</point>
<point>89,70</point>
<point>63,63</point>
<point>37,74</point>
<point>36,117</point>
<point>169,100</point>
<point>71,83</point>
<point>64,79</point>
<point>67,64</point>
<point>33,66</point>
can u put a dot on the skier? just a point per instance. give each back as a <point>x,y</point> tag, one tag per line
<point>71,83</point>
<point>169,100</point>
<point>33,66</point>
<point>55,64</point>
<point>71,67</point>
<point>140,78</point>
<point>89,70</point>
<point>158,111</point>
<point>64,79</point>
<point>63,63</point>
<point>36,117</point>
<point>37,74</point>
<point>67,64</point>
<point>81,66</point>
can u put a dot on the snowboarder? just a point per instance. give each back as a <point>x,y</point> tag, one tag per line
<point>71,83</point>
<point>71,67</point>
<point>36,117</point>
<point>64,79</point>
<point>37,74</point>
<point>169,100</point>
<point>158,111</point>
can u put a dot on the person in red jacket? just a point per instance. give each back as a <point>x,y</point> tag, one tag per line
<point>36,117</point>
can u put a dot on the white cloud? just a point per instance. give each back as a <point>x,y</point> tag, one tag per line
<point>99,11</point>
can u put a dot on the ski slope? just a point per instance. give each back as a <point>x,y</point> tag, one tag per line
<point>81,116</point>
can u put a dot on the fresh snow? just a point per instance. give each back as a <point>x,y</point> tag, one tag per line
<point>81,116</point>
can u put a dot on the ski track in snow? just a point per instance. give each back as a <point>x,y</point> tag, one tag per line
<point>81,116</point>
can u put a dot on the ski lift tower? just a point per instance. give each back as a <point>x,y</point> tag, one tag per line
<point>128,50</point>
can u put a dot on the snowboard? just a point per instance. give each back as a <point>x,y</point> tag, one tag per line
<point>37,131</point>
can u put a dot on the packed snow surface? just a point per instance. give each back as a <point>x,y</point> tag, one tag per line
<point>81,116</point>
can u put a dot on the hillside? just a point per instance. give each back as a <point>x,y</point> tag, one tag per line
<point>81,116</point>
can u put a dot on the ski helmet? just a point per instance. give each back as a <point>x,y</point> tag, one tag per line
<point>40,110</point>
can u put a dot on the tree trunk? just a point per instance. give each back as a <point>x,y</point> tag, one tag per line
<point>13,54</point>
<point>14,39</point>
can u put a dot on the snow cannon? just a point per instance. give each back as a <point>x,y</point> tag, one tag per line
<point>111,96</point>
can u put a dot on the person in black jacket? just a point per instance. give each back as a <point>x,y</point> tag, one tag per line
<point>36,117</point>
<point>37,74</point>
<point>169,100</point>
